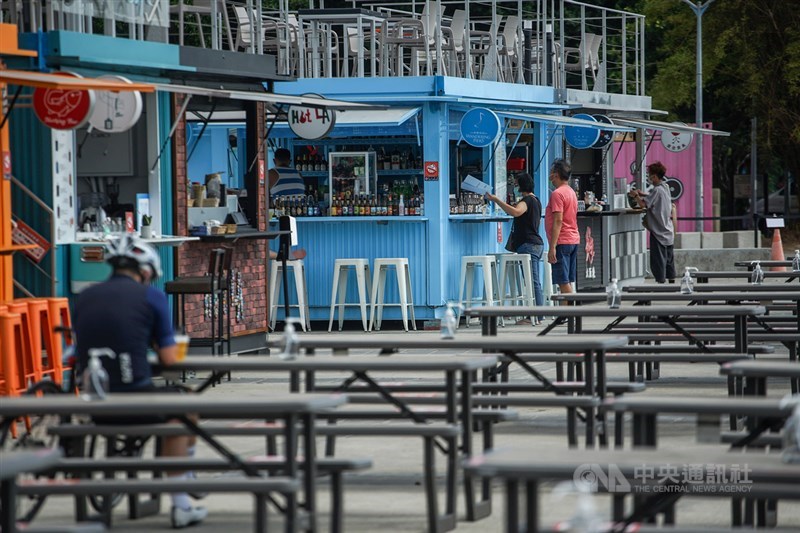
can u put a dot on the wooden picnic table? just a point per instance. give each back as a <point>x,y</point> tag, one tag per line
<point>289,407</point>
<point>755,374</point>
<point>573,316</point>
<point>12,464</point>
<point>645,474</point>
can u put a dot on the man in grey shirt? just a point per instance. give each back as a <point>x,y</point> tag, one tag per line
<point>658,203</point>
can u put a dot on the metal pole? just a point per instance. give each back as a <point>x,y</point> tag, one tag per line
<point>699,9</point>
<point>753,176</point>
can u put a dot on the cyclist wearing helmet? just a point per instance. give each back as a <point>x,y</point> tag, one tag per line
<point>126,316</point>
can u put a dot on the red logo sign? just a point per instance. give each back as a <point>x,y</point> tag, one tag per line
<point>261,171</point>
<point>500,232</point>
<point>431,170</point>
<point>24,234</point>
<point>63,109</point>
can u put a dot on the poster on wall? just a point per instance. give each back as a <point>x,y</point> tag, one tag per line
<point>62,147</point>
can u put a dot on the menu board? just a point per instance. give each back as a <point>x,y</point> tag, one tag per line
<point>63,170</point>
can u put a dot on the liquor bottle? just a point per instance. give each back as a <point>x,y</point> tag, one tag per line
<point>395,159</point>
<point>310,206</point>
<point>373,206</point>
<point>422,205</point>
<point>401,207</point>
<point>298,163</point>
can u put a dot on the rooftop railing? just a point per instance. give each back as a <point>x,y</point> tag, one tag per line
<point>559,43</point>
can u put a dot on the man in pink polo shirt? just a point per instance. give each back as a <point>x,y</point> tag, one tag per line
<point>561,225</point>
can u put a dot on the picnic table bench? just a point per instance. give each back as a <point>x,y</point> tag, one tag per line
<point>710,287</point>
<point>592,347</point>
<point>762,413</point>
<point>756,373</point>
<point>665,314</point>
<point>768,263</point>
<point>335,467</point>
<point>627,473</point>
<point>457,373</point>
<point>702,276</point>
<point>290,408</point>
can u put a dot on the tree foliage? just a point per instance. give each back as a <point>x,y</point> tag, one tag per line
<point>751,68</point>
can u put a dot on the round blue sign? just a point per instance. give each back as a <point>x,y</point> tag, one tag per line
<point>582,136</point>
<point>480,127</point>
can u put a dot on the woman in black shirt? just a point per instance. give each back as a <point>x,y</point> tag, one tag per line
<point>525,238</point>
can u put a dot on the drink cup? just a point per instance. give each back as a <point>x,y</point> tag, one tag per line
<point>182,341</point>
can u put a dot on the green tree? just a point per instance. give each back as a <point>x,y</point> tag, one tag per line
<point>751,68</point>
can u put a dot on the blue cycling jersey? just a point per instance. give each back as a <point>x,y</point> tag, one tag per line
<point>127,318</point>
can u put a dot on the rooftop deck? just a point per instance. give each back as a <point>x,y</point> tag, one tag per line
<point>575,46</point>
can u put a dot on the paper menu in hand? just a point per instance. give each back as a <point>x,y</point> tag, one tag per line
<point>475,185</point>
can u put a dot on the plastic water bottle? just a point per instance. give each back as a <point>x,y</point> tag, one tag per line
<point>796,261</point>
<point>448,323</point>
<point>290,349</point>
<point>613,296</point>
<point>95,382</point>
<point>687,285</point>
<point>757,276</point>
<point>791,433</point>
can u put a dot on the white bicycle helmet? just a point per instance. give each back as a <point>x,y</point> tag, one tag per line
<point>130,251</point>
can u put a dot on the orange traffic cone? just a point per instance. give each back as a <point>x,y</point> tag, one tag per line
<point>777,250</point>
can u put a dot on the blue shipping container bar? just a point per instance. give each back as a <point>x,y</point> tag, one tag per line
<point>433,243</point>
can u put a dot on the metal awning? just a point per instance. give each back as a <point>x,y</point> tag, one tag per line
<point>394,116</point>
<point>268,98</point>
<point>59,81</point>
<point>562,120</point>
<point>666,126</point>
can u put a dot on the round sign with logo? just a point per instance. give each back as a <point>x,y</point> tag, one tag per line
<point>63,109</point>
<point>480,127</point>
<point>676,141</point>
<point>116,111</point>
<point>311,122</point>
<point>606,136</point>
<point>582,136</point>
<point>675,187</point>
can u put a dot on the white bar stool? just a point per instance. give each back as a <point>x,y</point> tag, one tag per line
<point>341,271</point>
<point>520,287</point>
<point>301,289</point>
<point>380,266</point>
<point>491,295</point>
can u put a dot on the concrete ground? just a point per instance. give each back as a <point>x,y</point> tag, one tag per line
<point>389,497</point>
